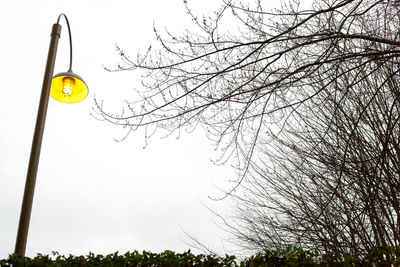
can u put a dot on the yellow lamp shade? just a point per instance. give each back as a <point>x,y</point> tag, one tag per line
<point>68,87</point>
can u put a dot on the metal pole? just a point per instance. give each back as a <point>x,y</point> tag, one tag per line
<point>26,208</point>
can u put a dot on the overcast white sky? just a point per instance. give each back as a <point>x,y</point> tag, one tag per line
<point>92,193</point>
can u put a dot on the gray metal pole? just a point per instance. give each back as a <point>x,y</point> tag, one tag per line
<point>26,208</point>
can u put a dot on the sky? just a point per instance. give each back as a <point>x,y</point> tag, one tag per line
<point>93,193</point>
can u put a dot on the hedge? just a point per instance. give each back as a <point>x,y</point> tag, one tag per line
<point>291,256</point>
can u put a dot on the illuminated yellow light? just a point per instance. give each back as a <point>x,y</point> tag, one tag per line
<point>67,87</point>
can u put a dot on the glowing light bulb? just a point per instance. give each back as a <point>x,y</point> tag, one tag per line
<point>68,84</point>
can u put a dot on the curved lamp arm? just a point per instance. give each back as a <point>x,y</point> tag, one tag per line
<point>70,39</point>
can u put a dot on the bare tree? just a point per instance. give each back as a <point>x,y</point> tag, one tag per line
<point>307,102</point>
<point>330,182</point>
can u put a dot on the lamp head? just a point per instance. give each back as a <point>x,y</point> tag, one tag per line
<point>68,87</point>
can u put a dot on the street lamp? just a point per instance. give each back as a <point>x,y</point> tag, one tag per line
<point>66,87</point>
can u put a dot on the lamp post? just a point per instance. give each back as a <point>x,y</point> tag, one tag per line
<point>66,87</point>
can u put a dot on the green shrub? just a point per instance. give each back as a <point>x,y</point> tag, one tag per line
<point>291,256</point>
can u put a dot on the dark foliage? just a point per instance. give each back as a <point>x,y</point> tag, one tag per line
<point>290,256</point>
